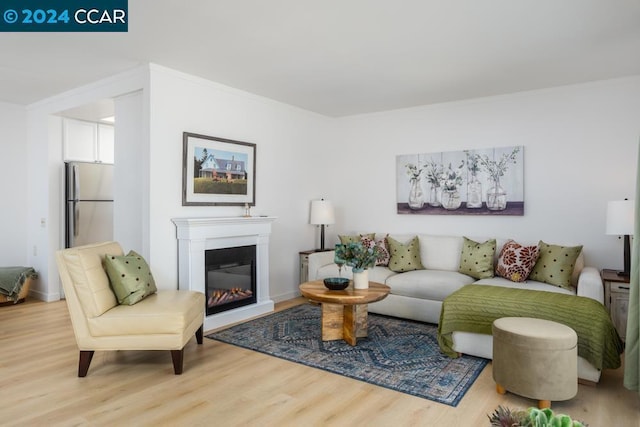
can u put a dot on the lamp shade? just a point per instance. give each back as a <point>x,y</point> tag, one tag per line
<point>321,212</point>
<point>620,217</point>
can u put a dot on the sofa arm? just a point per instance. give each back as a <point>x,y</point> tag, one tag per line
<point>317,260</point>
<point>590,284</point>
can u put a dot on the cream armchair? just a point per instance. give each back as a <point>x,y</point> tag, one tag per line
<point>162,321</point>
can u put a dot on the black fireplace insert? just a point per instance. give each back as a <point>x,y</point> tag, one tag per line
<point>230,278</point>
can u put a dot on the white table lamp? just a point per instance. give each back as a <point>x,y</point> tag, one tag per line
<point>321,214</point>
<point>621,222</point>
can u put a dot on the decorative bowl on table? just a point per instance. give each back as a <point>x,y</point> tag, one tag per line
<point>336,283</point>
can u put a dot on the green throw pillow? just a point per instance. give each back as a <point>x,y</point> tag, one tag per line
<point>476,259</point>
<point>130,277</point>
<point>404,256</point>
<point>555,264</point>
<point>345,240</point>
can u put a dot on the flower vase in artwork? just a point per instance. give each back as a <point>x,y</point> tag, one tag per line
<point>416,198</point>
<point>451,199</point>
<point>360,278</point>
<point>496,197</point>
<point>434,196</point>
<point>474,193</point>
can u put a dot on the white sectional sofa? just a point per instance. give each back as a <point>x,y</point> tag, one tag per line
<point>419,294</point>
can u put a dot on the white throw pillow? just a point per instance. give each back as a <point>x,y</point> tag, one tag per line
<point>440,252</point>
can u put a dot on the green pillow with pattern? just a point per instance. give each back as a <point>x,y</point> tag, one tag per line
<point>555,264</point>
<point>404,256</point>
<point>130,277</point>
<point>476,259</point>
<point>345,240</point>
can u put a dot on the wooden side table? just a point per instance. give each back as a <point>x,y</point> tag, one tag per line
<point>616,299</point>
<point>304,263</point>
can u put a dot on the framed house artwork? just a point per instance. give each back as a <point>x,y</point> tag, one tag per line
<point>217,171</point>
<point>468,182</point>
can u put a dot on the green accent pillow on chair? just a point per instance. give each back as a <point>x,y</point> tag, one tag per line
<point>404,256</point>
<point>555,264</point>
<point>476,259</point>
<point>130,277</point>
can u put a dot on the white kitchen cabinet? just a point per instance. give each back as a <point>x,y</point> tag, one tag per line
<point>87,141</point>
<point>105,143</point>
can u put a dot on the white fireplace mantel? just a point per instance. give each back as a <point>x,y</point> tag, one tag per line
<point>196,235</point>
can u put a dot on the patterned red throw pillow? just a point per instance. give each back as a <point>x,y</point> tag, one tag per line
<point>383,258</point>
<point>515,261</point>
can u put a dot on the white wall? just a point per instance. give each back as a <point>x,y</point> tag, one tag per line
<point>287,140</point>
<point>580,148</point>
<point>131,182</point>
<point>13,184</point>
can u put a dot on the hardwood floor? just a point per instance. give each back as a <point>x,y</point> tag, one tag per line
<point>223,385</point>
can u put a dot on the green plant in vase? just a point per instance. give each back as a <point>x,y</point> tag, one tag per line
<point>434,176</point>
<point>357,255</point>
<point>360,256</point>
<point>416,197</point>
<point>496,196</point>
<point>474,186</point>
<point>451,180</point>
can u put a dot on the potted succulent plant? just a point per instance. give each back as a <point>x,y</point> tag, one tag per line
<point>533,417</point>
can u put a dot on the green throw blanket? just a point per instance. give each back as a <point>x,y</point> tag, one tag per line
<point>12,279</point>
<point>473,308</point>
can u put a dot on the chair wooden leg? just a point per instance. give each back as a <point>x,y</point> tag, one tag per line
<point>177,356</point>
<point>500,389</point>
<point>84,362</point>
<point>199,334</point>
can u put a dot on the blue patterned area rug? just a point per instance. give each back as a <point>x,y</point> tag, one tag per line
<point>398,354</point>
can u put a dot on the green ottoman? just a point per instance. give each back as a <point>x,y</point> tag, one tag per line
<point>535,358</point>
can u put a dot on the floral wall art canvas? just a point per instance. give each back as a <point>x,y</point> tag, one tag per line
<point>469,182</point>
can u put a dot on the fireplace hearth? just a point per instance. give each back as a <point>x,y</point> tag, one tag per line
<point>226,282</point>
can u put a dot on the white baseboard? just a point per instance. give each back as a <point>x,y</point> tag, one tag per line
<point>286,296</point>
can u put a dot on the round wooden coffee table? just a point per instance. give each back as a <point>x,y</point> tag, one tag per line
<point>344,313</point>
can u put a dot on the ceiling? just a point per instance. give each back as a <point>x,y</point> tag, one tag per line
<point>343,57</point>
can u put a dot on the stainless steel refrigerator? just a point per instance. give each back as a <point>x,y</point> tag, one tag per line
<point>89,203</point>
